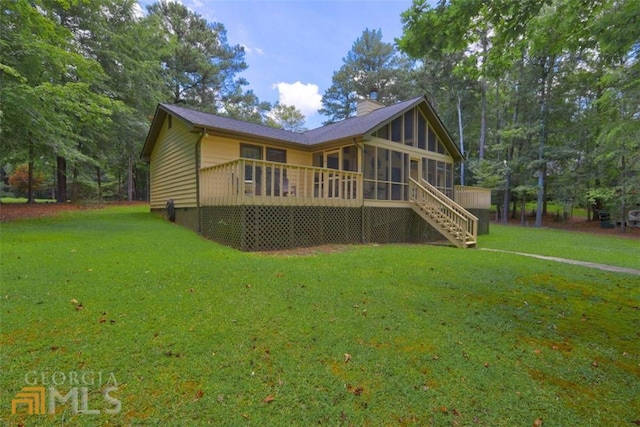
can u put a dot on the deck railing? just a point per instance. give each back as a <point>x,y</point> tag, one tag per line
<point>472,197</point>
<point>258,182</point>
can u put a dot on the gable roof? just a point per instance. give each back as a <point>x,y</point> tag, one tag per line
<point>354,127</point>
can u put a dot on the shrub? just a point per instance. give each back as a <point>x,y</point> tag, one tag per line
<point>19,179</point>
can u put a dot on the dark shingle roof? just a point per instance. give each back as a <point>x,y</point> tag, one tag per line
<point>349,128</point>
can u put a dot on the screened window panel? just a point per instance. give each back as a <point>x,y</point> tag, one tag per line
<point>408,128</point>
<point>396,130</point>
<point>422,132</point>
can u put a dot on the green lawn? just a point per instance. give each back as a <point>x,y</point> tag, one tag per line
<point>195,333</point>
<point>24,200</point>
<point>623,252</point>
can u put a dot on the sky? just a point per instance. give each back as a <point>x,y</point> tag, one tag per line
<point>293,47</point>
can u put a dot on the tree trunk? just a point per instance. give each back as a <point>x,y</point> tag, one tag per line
<point>483,93</point>
<point>74,185</point>
<point>99,182</point>
<point>461,138</point>
<point>130,178</point>
<point>61,178</point>
<point>623,227</point>
<point>506,197</point>
<point>30,194</point>
<point>546,65</point>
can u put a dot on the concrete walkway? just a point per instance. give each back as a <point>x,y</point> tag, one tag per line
<point>572,261</point>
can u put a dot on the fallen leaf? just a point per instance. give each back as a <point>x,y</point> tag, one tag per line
<point>199,394</point>
<point>357,391</point>
<point>636,422</point>
<point>537,422</point>
<point>220,398</point>
<point>347,357</point>
<point>269,399</point>
<point>102,320</point>
<point>594,364</point>
<point>79,307</point>
<point>74,301</point>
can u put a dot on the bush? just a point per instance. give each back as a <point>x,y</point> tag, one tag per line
<point>19,179</point>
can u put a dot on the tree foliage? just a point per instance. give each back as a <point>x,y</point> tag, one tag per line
<point>79,81</point>
<point>553,85</point>
<point>371,64</point>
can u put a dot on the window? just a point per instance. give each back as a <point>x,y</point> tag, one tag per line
<point>432,139</point>
<point>408,127</point>
<point>385,174</point>
<point>350,159</point>
<point>383,132</point>
<point>431,172</point>
<point>252,172</point>
<point>440,177</point>
<point>441,148</point>
<point>369,162</point>
<point>397,175</point>
<point>422,131</point>
<point>396,130</point>
<point>317,159</point>
<point>276,155</point>
<point>383,165</point>
<point>248,151</point>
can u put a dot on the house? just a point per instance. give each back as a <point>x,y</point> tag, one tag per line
<point>385,175</point>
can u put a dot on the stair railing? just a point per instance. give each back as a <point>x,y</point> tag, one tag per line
<point>430,198</point>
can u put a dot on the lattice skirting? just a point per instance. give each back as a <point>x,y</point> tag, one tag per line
<point>265,228</point>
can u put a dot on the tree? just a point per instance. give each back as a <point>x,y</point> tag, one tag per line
<point>548,73</point>
<point>370,64</point>
<point>42,70</point>
<point>286,117</point>
<point>200,66</point>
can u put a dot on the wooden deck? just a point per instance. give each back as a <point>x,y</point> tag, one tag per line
<point>257,182</point>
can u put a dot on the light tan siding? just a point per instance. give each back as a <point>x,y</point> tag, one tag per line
<point>173,167</point>
<point>217,149</point>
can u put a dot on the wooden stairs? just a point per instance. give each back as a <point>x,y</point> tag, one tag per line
<point>450,219</point>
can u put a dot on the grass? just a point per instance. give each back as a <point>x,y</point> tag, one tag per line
<point>555,208</point>
<point>199,334</point>
<point>24,200</point>
<point>580,246</point>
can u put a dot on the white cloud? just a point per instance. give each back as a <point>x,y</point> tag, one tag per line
<point>256,50</point>
<point>305,97</point>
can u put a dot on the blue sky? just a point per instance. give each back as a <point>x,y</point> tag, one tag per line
<point>293,47</point>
